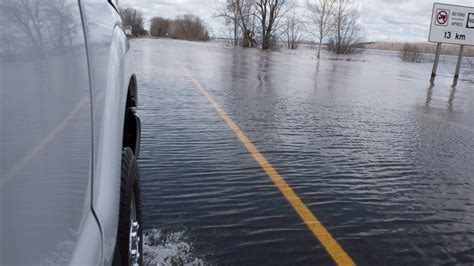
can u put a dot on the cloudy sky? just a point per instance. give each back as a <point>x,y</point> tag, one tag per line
<point>383,20</point>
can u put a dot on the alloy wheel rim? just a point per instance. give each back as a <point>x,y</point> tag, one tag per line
<point>134,239</point>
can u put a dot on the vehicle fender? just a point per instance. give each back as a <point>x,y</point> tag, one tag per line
<point>106,184</point>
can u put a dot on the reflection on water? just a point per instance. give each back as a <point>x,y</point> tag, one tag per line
<point>33,28</point>
<point>45,150</point>
<point>429,95</point>
<point>451,98</point>
<point>383,160</point>
<point>450,101</point>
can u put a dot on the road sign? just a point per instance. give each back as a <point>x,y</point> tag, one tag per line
<point>442,17</point>
<point>452,24</point>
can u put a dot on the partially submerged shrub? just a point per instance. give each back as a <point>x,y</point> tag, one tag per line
<point>411,53</point>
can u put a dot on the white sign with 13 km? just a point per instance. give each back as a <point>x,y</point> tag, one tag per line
<point>452,24</point>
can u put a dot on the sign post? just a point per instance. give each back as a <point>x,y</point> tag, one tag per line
<point>451,24</point>
<point>458,66</point>
<point>435,64</point>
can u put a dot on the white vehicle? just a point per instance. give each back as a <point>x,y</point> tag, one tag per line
<point>69,135</point>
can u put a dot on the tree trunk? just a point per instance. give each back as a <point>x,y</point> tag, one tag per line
<point>319,47</point>
<point>235,34</point>
<point>266,42</point>
<point>248,41</point>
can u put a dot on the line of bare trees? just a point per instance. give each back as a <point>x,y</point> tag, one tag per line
<point>293,30</point>
<point>185,27</point>
<point>264,23</point>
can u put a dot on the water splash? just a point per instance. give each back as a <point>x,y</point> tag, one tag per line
<point>167,249</point>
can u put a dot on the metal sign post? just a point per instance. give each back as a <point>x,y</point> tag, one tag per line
<point>451,24</point>
<point>458,66</point>
<point>435,64</point>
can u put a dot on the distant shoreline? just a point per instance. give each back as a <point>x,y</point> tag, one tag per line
<point>425,48</point>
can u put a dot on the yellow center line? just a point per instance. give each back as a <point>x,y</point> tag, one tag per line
<point>317,228</point>
<point>42,144</point>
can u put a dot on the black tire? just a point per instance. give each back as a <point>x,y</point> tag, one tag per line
<point>129,190</point>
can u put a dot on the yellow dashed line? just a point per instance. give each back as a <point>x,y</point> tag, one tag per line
<point>317,228</point>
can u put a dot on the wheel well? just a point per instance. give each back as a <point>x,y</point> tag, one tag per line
<point>132,95</point>
<point>132,126</point>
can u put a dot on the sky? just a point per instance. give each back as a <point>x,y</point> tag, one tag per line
<point>383,20</point>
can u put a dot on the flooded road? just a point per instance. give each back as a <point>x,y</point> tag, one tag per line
<point>382,159</point>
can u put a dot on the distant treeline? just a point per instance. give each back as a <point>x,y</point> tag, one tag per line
<point>186,27</point>
<point>267,23</point>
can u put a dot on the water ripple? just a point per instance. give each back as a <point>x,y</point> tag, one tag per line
<point>383,160</point>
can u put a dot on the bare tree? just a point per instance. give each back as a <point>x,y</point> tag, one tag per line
<point>230,13</point>
<point>239,16</point>
<point>247,22</point>
<point>269,14</point>
<point>293,31</point>
<point>347,29</point>
<point>321,16</point>
<point>134,19</point>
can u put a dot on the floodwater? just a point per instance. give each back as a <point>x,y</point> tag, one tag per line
<point>381,158</point>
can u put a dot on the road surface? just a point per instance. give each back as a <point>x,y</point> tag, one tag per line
<point>380,159</point>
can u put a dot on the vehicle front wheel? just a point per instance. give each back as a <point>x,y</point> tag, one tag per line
<point>130,234</point>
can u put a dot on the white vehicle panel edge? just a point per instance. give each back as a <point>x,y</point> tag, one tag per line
<point>111,74</point>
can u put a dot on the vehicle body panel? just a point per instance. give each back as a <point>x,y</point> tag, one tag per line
<point>109,61</point>
<point>88,249</point>
<point>65,73</point>
<point>45,134</point>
